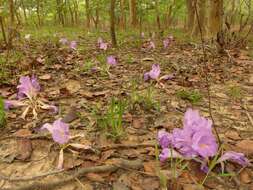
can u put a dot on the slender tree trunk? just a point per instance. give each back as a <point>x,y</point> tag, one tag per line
<point>122,14</point>
<point>133,12</point>
<point>201,6</point>
<point>216,16</point>
<point>3,30</point>
<point>24,10</point>
<point>12,23</point>
<point>190,15</point>
<point>157,16</point>
<point>87,7</point>
<point>112,22</point>
<point>38,12</point>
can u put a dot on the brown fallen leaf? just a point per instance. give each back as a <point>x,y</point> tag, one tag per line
<point>45,77</point>
<point>71,115</point>
<point>95,177</point>
<point>73,86</point>
<point>246,176</point>
<point>232,135</point>
<point>245,146</point>
<point>24,149</point>
<point>150,167</point>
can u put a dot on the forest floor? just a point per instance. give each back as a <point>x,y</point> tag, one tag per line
<point>83,96</point>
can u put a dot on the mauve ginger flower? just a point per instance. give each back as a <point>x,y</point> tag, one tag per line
<point>8,104</point>
<point>166,43</point>
<point>28,87</point>
<point>164,138</point>
<point>59,131</point>
<point>100,40</point>
<point>142,34</point>
<point>63,41</point>
<point>164,155</point>
<point>111,60</point>
<point>154,73</point>
<point>151,45</point>
<point>73,45</point>
<point>236,157</point>
<point>204,143</point>
<point>103,46</point>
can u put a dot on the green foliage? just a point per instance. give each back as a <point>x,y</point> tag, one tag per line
<point>112,120</point>
<point>87,66</point>
<point>2,113</point>
<point>235,92</point>
<point>145,99</point>
<point>193,96</point>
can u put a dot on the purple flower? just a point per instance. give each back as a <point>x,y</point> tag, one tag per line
<point>111,60</point>
<point>142,34</point>
<point>103,46</point>
<point>182,141</point>
<point>73,45</point>
<point>204,143</point>
<point>234,157</point>
<point>164,155</point>
<point>154,73</point>
<point>28,87</point>
<point>194,122</point>
<point>151,45</point>
<point>63,41</point>
<point>59,131</point>
<point>166,43</point>
<point>7,104</point>
<point>164,138</point>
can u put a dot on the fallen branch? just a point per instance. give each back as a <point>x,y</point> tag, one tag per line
<point>115,146</point>
<point>136,164</point>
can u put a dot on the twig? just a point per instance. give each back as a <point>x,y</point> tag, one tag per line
<point>206,74</point>
<point>136,164</point>
<point>115,146</point>
<point>247,113</point>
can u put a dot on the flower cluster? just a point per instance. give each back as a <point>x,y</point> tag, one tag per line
<point>28,90</point>
<point>155,72</point>
<point>167,41</point>
<point>72,44</point>
<point>101,44</point>
<point>112,60</point>
<point>195,139</point>
<point>59,131</point>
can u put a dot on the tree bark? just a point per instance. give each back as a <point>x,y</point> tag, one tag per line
<point>190,15</point>
<point>112,22</point>
<point>201,7</point>
<point>216,16</point>
<point>122,14</point>
<point>133,12</point>
<point>3,30</point>
<point>87,8</point>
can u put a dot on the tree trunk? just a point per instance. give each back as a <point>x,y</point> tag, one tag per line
<point>201,22</point>
<point>112,22</point>
<point>3,30</point>
<point>216,16</point>
<point>122,14</point>
<point>87,7</point>
<point>190,15</point>
<point>38,12</point>
<point>157,16</point>
<point>12,23</point>
<point>133,13</point>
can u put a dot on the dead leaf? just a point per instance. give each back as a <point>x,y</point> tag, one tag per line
<point>73,86</point>
<point>232,135</point>
<point>101,93</point>
<point>95,177</point>
<point>45,77</point>
<point>245,176</point>
<point>245,146</point>
<point>150,184</point>
<point>71,115</point>
<point>24,149</point>
<point>150,167</point>
<point>119,186</point>
<point>138,123</point>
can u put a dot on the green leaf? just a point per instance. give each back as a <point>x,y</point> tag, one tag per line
<point>2,113</point>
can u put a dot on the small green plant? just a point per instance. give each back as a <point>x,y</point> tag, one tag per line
<point>112,120</point>
<point>145,99</point>
<point>235,92</point>
<point>2,113</point>
<point>193,96</point>
<point>87,66</point>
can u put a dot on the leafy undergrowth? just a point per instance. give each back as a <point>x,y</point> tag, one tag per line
<point>114,114</point>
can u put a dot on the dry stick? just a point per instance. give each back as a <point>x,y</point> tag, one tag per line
<point>206,74</point>
<point>136,164</point>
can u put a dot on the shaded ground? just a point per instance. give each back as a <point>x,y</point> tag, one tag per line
<point>83,95</point>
